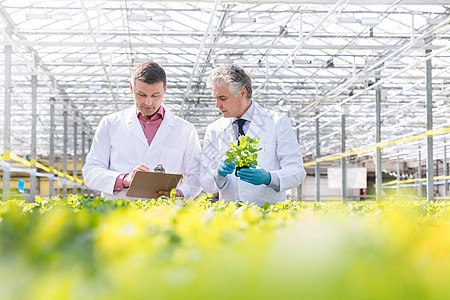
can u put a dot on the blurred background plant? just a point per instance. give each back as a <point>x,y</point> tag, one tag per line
<point>75,248</point>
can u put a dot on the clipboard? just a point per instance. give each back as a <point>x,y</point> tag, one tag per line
<point>146,184</point>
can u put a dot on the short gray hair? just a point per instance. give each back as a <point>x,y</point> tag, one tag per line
<point>233,75</point>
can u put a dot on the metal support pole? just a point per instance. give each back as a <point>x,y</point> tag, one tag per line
<point>83,154</point>
<point>65,148</point>
<point>378,173</point>
<point>7,117</point>
<point>398,175</point>
<point>52,147</point>
<point>419,174</point>
<point>299,187</point>
<point>343,159</point>
<point>445,172</point>
<point>33,179</point>
<point>75,157</point>
<point>430,167</point>
<point>317,163</point>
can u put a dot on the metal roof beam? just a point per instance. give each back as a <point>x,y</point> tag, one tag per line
<point>58,92</point>
<point>207,45</point>
<point>199,55</point>
<point>97,47</point>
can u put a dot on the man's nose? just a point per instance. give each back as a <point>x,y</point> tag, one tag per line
<point>218,104</point>
<point>148,101</point>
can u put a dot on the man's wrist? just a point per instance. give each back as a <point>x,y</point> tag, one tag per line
<point>179,193</point>
<point>269,179</point>
<point>218,173</point>
<point>123,181</point>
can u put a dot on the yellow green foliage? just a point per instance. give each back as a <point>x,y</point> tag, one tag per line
<point>77,248</point>
<point>243,154</point>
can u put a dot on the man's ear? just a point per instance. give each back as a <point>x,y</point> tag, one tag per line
<point>243,92</point>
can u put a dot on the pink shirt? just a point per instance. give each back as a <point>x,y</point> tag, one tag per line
<point>150,126</point>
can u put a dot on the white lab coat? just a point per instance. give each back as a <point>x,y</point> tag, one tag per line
<point>280,154</point>
<point>119,145</point>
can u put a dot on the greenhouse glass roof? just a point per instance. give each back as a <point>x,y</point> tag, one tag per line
<point>315,59</point>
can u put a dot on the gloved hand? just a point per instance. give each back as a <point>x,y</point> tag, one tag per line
<point>225,168</point>
<point>254,176</point>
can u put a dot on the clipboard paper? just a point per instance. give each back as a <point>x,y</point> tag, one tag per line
<point>146,184</point>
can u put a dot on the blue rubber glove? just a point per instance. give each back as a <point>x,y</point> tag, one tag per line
<point>254,176</point>
<point>225,168</point>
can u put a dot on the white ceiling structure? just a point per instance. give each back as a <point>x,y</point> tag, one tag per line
<point>308,59</point>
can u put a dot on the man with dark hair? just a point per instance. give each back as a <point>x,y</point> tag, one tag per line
<point>142,137</point>
<point>280,163</point>
<point>149,72</point>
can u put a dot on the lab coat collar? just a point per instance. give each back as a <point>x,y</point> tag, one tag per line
<point>225,130</point>
<point>256,128</point>
<point>135,127</point>
<point>167,125</point>
<point>133,124</point>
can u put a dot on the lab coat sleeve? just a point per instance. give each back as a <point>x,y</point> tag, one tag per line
<point>209,162</point>
<point>96,174</point>
<point>291,173</point>
<point>191,166</point>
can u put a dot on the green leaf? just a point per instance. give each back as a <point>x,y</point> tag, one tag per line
<point>244,154</point>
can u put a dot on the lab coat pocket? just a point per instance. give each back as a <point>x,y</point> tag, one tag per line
<point>173,159</point>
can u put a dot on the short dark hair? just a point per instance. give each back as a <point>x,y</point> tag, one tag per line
<point>149,72</point>
<point>233,75</point>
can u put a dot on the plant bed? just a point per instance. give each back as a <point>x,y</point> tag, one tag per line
<point>78,248</point>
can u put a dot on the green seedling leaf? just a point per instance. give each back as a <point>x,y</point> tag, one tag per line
<point>244,154</point>
<point>266,206</point>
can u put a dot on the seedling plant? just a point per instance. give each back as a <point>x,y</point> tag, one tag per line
<point>245,153</point>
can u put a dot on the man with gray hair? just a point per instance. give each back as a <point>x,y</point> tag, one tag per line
<point>280,163</point>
